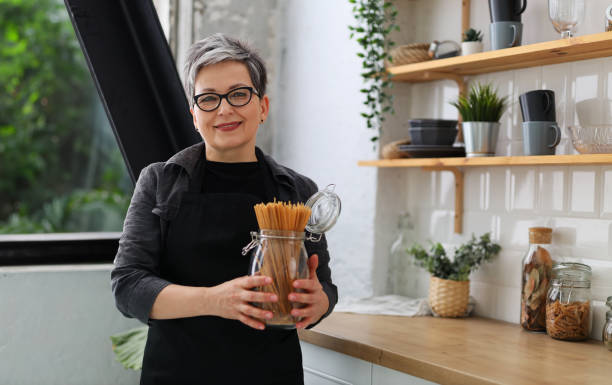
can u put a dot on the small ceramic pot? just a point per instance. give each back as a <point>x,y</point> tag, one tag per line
<point>470,47</point>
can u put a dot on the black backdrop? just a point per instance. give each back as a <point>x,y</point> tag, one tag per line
<point>136,77</point>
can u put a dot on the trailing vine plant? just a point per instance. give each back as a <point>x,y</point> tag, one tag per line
<point>375,21</point>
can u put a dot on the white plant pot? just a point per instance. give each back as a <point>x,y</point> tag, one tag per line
<point>470,47</point>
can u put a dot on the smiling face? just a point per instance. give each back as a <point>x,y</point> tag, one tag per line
<point>229,132</point>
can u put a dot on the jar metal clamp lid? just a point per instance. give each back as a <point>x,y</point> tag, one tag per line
<point>325,207</point>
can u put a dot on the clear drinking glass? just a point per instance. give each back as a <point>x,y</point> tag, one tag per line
<point>565,15</point>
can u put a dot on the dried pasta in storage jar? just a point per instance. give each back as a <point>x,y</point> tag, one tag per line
<point>568,303</point>
<point>278,250</point>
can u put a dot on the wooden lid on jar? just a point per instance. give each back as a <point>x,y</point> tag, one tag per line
<point>540,235</point>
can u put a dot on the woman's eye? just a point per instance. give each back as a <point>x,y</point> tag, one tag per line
<point>208,99</point>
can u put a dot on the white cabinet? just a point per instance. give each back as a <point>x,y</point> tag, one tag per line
<point>386,376</point>
<point>326,367</point>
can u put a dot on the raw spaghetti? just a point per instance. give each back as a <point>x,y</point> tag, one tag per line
<point>568,321</point>
<point>281,256</point>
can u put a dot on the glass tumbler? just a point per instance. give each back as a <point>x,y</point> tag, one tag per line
<point>565,15</point>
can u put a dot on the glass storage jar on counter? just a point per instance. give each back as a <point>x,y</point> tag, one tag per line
<point>399,279</point>
<point>281,255</point>
<point>607,330</point>
<point>568,304</point>
<point>536,276</point>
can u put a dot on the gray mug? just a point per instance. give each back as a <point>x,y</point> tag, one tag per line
<point>506,34</point>
<point>540,138</point>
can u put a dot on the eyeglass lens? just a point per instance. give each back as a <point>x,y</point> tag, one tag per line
<point>236,98</point>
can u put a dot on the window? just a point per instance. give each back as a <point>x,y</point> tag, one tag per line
<point>60,166</point>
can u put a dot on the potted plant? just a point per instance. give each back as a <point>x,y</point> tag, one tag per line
<point>480,111</point>
<point>449,285</point>
<point>472,42</point>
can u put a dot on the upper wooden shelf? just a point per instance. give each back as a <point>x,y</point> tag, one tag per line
<point>551,52</point>
<point>543,160</point>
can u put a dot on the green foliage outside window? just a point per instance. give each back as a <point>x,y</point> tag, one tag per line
<point>60,168</point>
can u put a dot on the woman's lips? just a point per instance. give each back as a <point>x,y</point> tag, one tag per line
<point>227,126</point>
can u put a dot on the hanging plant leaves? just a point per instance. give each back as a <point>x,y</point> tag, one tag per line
<point>375,22</point>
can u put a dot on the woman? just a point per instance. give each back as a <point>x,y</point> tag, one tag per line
<point>179,267</point>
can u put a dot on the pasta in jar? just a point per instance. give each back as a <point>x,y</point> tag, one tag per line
<point>568,303</point>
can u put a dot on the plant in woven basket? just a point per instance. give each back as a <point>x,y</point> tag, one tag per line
<point>472,35</point>
<point>467,258</point>
<point>449,285</point>
<point>375,21</point>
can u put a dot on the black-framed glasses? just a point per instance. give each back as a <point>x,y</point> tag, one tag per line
<point>238,97</point>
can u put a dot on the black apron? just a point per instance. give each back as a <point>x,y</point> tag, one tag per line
<point>203,248</point>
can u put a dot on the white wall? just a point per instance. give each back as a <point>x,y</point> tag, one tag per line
<point>56,326</point>
<point>575,201</point>
<point>323,136</point>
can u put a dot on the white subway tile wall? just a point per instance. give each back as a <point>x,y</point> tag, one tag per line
<point>576,201</point>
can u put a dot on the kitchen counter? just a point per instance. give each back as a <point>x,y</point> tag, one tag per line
<point>463,351</point>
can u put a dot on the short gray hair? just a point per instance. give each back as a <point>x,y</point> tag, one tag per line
<point>219,48</point>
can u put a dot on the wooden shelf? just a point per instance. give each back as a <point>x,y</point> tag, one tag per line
<point>540,160</point>
<point>551,52</point>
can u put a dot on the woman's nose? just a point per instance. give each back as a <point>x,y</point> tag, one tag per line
<point>224,107</point>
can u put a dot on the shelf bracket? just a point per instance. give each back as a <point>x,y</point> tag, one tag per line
<point>458,193</point>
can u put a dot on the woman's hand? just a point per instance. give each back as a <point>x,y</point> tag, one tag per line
<point>231,300</point>
<point>314,297</point>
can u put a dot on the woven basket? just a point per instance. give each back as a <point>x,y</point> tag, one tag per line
<point>391,150</point>
<point>411,53</point>
<point>449,298</point>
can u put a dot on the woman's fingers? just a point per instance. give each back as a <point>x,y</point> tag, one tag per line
<point>255,312</point>
<point>255,280</point>
<point>307,284</point>
<point>302,298</point>
<point>251,322</point>
<point>258,296</point>
<point>304,322</point>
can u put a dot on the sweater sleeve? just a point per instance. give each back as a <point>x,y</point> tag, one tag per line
<point>135,277</point>
<point>323,274</point>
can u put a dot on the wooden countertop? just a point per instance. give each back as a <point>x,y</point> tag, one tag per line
<point>463,351</point>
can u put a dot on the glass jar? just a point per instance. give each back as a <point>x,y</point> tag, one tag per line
<point>536,275</point>
<point>282,256</point>
<point>399,280</point>
<point>568,303</point>
<point>607,330</point>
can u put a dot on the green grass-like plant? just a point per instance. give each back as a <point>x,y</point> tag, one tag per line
<point>472,35</point>
<point>467,258</point>
<point>481,105</point>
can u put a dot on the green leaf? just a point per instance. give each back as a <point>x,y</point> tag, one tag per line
<point>129,347</point>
